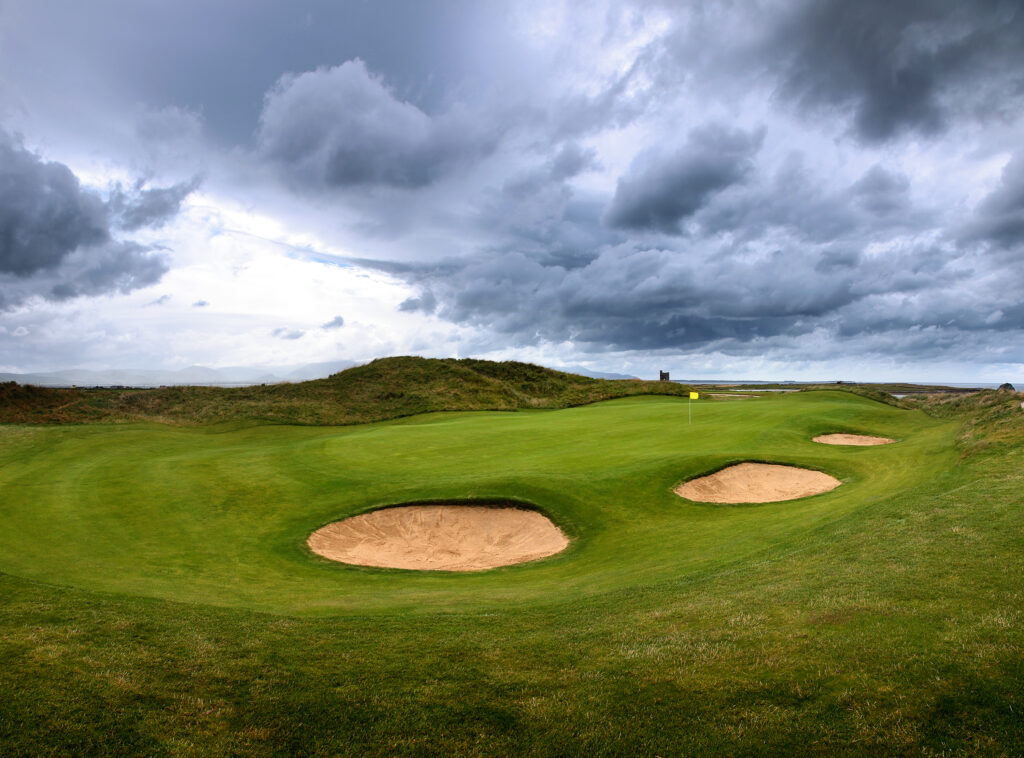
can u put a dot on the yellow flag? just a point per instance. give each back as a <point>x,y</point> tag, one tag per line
<point>694,395</point>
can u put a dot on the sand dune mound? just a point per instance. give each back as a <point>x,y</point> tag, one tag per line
<point>851,439</point>
<point>756,483</point>
<point>440,537</point>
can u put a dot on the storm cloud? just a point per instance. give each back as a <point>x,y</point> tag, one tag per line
<point>881,192</point>
<point>56,237</point>
<point>904,66</point>
<point>634,297</point>
<point>138,208</point>
<point>789,180</point>
<point>45,215</point>
<point>342,127</point>
<point>1000,216</point>
<point>661,190</point>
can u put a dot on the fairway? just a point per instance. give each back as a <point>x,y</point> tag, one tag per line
<point>159,595</point>
<point>220,516</point>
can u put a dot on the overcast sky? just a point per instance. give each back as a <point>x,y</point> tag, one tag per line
<point>778,190</point>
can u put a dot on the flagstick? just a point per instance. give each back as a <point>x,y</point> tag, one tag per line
<point>689,408</point>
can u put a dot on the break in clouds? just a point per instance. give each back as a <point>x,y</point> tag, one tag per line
<point>791,180</point>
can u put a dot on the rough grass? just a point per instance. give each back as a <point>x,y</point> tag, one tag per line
<point>383,389</point>
<point>990,419</point>
<point>885,617</point>
<point>872,392</point>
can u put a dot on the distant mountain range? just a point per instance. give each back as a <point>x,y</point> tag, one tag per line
<point>190,376</point>
<point>198,376</point>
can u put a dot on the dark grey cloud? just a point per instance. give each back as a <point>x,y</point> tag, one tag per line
<point>899,67</point>
<point>425,303</point>
<point>768,260</point>
<point>467,147</point>
<point>662,189</point>
<point>799,200</point>
<point>343,127</point>
<point>55,235</point>
<point>200,304</point>
<point>767,257</point>
<point>45,215</point>
<point>570,160</point>
<point>637,298</point>
<point>999,218</point>
<point>116,267</point>
<point>137,207</point>
<point>219,59</point>
<point>537,213</point>
<point>882,192</point>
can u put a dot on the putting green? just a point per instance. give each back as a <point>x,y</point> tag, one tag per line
<point>221,516</point>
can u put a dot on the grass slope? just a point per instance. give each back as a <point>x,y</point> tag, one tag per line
<point>156,596</point>
<point>213,516</point>
<point>383,389</point>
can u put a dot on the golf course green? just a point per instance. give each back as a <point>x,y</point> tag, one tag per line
<point>221,517</point>
<point>158,594</point>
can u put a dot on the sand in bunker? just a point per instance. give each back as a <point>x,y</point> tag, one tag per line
<point>756,483</point>
<point>440,537</point>
<point>851,439</point>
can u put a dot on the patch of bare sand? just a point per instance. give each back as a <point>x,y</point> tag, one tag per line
<point>440,538</point>
<point>851,439</point>
<point>756,483</point>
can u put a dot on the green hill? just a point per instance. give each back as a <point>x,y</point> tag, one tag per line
<point>383,389</point>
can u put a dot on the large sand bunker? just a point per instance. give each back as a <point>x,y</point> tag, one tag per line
<point>851,439</point>
<point>440,537</point>
<point>756,483</point>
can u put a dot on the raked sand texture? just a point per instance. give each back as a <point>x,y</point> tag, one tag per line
<point>860,440</point>
<point>440,538</point>
<point>756,483</point>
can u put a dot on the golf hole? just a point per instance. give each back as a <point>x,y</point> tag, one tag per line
<point>756,483</point>
<point>437,537</point>
<point>860,440</point>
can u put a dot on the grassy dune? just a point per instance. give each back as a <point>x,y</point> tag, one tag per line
<point>156,595</point>
<point>383,389</point>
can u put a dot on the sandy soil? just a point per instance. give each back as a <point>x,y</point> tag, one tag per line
<point>851,439</point>
<point>440,537</point>
<point>756,483</point>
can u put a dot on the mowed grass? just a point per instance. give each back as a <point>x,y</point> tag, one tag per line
<point>157,595</point>
<point>221,517</point>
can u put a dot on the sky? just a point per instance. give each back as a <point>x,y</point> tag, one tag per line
<point>742,190</point>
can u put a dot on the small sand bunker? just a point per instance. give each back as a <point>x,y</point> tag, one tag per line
<point>851,439</point>
<point>756,483</point>
<point>440,537</point>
